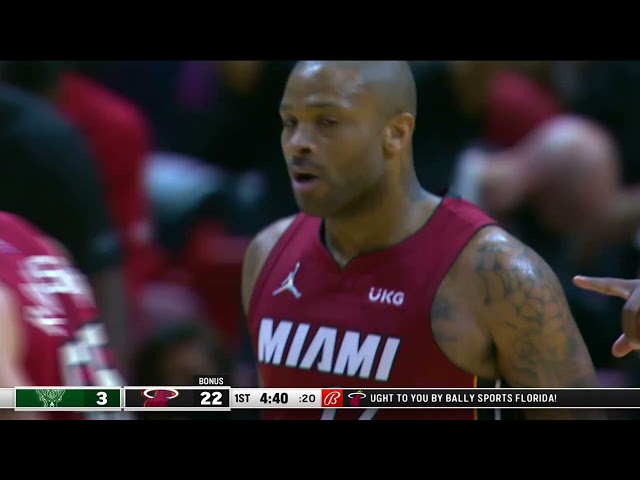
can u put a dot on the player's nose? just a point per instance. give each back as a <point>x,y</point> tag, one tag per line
<point>300,143</point>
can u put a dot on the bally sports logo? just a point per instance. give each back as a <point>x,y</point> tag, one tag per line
<point>158,397</point>
<point>332,398</point>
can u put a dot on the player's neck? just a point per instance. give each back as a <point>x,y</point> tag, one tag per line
<point>380,224</point>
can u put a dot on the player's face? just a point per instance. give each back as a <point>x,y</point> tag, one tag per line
<point>331,140</point>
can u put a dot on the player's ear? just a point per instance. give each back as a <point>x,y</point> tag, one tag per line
<point>398,132</point>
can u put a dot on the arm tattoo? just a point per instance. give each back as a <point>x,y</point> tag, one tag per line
<point>539,340</point>
<point>441,307</point>
<point>442,316</point>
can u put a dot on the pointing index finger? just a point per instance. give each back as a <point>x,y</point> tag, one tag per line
<point>617,287</point>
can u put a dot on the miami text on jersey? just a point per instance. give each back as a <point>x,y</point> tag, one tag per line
<point>354,357</point>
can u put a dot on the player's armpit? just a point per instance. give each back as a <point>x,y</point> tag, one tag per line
<point>537,342</point>
<point>249,275</point>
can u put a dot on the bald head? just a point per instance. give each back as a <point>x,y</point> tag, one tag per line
<point>391,82</point>
<point>347,131</point>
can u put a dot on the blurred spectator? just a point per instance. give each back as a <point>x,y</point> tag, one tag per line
<point>193,205</point>
<point>242,130</point>
<point>219,113</point>
<point>608,93</point>
<point>173,354</point>
<point>177,350</point>
<point>566,170</point>
<point>471,102</point>
<point>48,176</point>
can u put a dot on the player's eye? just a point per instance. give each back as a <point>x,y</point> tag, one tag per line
<point>327,121</point>
<point>289,122</point>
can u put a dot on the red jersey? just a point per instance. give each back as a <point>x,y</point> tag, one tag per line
<point>314,325</point>
<point>65,344</point>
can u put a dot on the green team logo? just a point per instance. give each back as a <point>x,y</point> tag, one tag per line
<point>50,397</point>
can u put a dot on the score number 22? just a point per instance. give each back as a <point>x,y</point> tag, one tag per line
<point>211,399</point>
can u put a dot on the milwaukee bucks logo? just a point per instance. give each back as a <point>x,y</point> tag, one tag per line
<point>50,397</point>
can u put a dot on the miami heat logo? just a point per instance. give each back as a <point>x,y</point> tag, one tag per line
<point>356,397</point>
<point>158,398</point>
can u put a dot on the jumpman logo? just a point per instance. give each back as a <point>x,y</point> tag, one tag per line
<point>288,284</point>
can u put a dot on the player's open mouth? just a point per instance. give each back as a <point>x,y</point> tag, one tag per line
<point>303,177</point>
<point>303,182</point>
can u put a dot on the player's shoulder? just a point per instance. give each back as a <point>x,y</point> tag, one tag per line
<point>493,237</point>
<point>267,238</point>
<point>495,240</point>
<point>13,222</point>
<point>495,254</point>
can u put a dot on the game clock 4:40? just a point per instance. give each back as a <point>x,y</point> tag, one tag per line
<point>276,397</point>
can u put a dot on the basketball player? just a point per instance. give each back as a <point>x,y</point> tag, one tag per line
<point>381,284</point>
<point>50,330</point>
<point>628,290</point>
<point>43,156</point>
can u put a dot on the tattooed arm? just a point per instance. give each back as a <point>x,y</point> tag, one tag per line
<point>524,309</point>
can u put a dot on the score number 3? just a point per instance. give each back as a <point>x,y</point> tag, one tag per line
<point>102,398</point>
<point>211,398</point>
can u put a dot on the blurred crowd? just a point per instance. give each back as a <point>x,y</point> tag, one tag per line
<point>154,175</point>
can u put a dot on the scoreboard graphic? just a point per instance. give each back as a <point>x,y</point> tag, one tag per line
<point>176,399</point>
<point>215,394</point>
<point>68,399</point>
